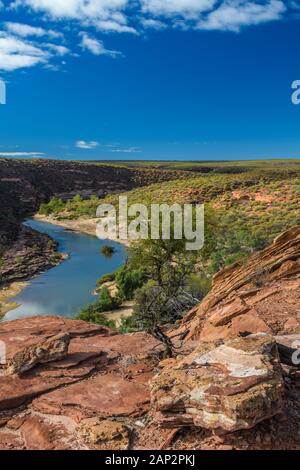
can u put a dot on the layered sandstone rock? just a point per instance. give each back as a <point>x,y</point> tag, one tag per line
<point>52,349</point>
<point>72,382</point>
<point>262,295</point>
<point>228,386</point>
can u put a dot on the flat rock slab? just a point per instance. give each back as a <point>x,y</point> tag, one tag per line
<point>103,396</point>
<point>28,332</point>
<point>92,350</point>
<point>138,345</point>
<point>228,386</point>
<point>16,391</point>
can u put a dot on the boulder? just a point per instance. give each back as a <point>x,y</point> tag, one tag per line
<point>53,349</point>
<point>224,386</point>
<point>105,434</point>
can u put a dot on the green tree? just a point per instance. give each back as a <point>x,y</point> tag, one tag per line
<point>94,312</point>
<point>128,281</point>
<point>165,297</point>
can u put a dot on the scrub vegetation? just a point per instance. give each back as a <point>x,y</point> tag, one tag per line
<point>247,205</point>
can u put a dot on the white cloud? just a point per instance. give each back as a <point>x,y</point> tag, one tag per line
<point>95,46</point>
<point>116,15</point>
<point>228,15</point>
<point>234,14</point>
<point>153,24</point>
<point>21,154</point>
<point>26,30</point>
<point>126,150</point>
<point>113,26</point>
<point>106,15</point>
<point>16,53</point>
<point>58,50</point>
<point>80,9</point>
<point>82,144</point>
<point>25,45</point>
<point>185,8</point>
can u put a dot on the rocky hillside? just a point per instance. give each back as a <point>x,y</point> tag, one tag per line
<point>24,185</point>
<point>234,384</point>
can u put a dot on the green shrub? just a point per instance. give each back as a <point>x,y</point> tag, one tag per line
<point>107,250</point>
<point>55,206</point>
<point>128,325</point>
<point>128,281</point>
<point>106,278</point>
<point>93,312</point>
<point>198,285</point>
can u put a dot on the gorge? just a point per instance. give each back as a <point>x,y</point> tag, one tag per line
<point>232,384</point>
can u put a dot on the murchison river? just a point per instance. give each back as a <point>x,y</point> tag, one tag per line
<point>64,289</point>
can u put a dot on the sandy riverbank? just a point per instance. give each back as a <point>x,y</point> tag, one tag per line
<point>8,293</point>
<point>81,225</point>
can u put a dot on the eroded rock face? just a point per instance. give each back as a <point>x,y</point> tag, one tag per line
<point>262,295</point>
<point>229,386</point>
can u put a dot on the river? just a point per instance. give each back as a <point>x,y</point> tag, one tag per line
<point>64,289</point>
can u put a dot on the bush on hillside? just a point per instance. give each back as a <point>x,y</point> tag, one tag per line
<point>128,281</point>
<point>93,312</point>
<point>107,251</point>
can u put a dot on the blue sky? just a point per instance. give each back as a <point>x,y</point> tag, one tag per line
<point>149,79</point>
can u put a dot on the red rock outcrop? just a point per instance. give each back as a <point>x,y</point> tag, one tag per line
<point>109,391</point>
<point>100,375</point>
<point>52,349</point>
<point>262,295</point>
<point>231,386</point>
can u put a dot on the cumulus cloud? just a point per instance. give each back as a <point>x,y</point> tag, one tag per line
<point>95,46</point>
<point>82,144</point>
<point>122,15</point>
<point>185,8</point>
<point>26,30</point>
<point>153,24</point>
<point>27,45</point>
<point>234,14</point>
<point>230,15</point>
<point>17,53</point>
<point>106,15</point>
<point>57,49</point>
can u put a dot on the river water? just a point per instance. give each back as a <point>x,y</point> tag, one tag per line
<point>64,289</point>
